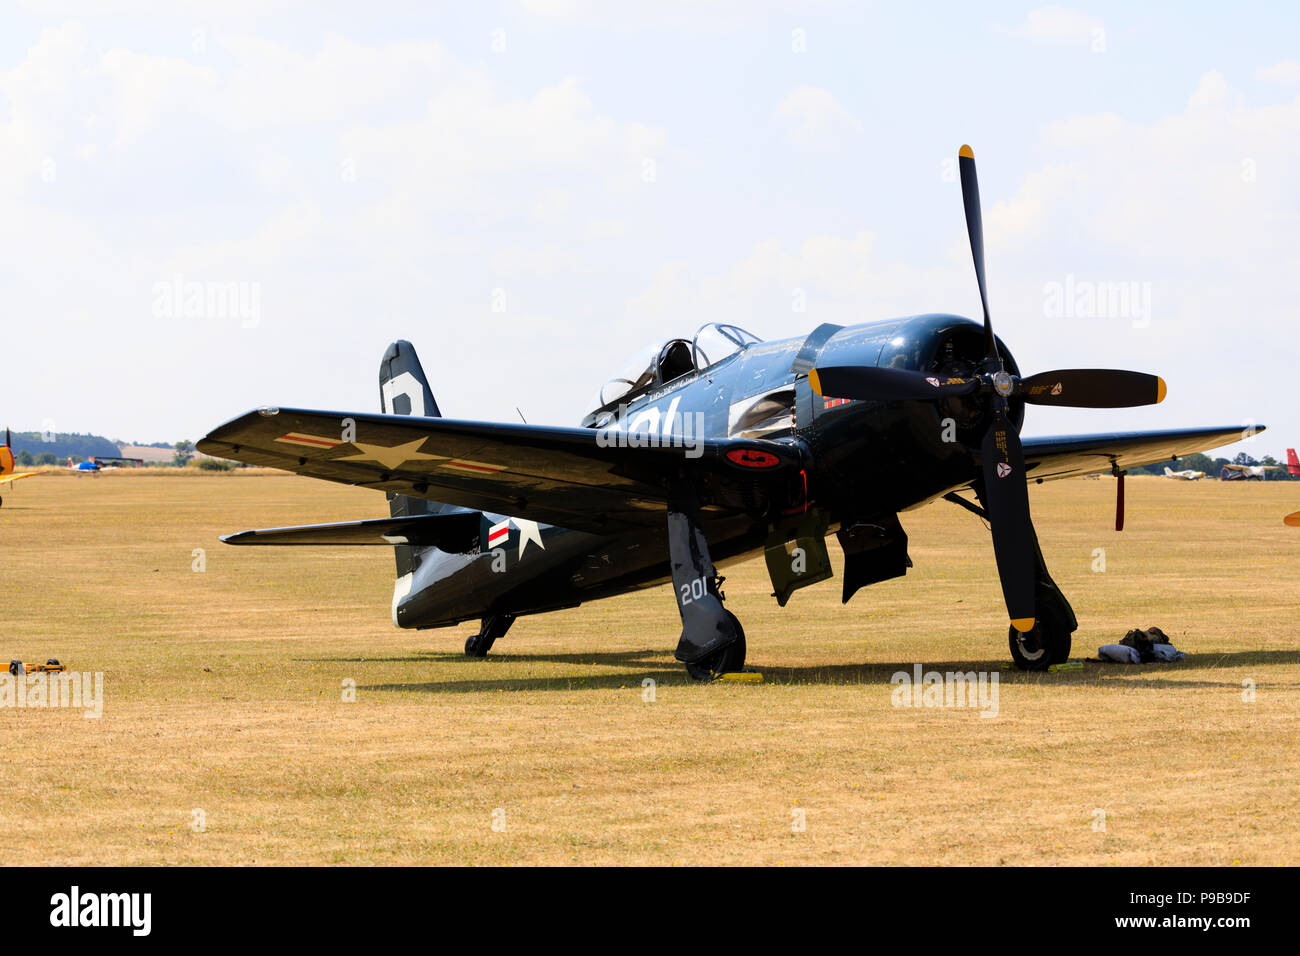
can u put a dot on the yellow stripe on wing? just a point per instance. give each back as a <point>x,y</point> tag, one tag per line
<point>21,474</point>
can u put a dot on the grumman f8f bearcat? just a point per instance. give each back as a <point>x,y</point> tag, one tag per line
<point>708,450</point>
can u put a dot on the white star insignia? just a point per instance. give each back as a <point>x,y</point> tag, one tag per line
<point>528,531</point>
<point>391,457</point>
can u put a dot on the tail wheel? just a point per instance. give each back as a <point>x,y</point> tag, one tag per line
<point>728,659</point>
<point>1046,644</point>
<point>477,645</point>
<point>493,626</point>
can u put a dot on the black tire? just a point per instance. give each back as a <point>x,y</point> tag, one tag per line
<point>731,658</point>
<point>1047,644</point>
<point>476,645</point>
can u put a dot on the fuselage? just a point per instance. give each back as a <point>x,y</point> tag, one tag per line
<point>894,456</point>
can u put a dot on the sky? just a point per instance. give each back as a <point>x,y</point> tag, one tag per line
<point>211,207</point>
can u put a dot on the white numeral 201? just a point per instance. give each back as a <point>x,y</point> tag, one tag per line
<point>693,590</point>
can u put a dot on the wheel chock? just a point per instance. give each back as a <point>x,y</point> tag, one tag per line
<point>742,677</point>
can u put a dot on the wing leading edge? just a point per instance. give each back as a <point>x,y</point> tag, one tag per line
<point>1069,456</point>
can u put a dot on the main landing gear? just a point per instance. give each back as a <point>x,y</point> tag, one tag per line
<point>493,626</point>
<point>712,641</point>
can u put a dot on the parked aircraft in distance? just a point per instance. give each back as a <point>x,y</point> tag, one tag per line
<point>1246,472</point>
<point>95,463</point>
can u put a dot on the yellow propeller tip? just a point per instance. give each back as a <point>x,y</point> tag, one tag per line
<point>1292,519</point>
<point>966,152</point>
<point>1161,390</point>
<point>1023,624</point>
<point>814,381</point>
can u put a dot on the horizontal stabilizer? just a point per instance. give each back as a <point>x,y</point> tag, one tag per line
<point>457,531</point>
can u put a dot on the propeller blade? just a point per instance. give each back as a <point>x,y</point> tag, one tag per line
<point>1006,498</point>
<point>1092,388</point>
<point>1293,519</point>
<point>886,384</point>
<point>970,198</point>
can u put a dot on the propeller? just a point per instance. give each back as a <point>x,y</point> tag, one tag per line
<point>1070,388</point>
<point>1006,492</point>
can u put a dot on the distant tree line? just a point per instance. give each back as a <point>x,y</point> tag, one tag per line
<point>61,446</point>
<point>32,450</point>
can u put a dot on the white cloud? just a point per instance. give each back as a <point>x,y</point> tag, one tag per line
<point>775,292</point>
<point>1056,24</point>
<point>275,86</point>
<point>1284,72</point>
<point>814,117</point>
<point>1199,205</point>
<point>229,168</point>
<point>469,178</point>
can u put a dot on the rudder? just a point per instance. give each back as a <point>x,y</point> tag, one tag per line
<point>404,390</point>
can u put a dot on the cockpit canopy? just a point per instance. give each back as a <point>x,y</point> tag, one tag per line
<point>659,363</point>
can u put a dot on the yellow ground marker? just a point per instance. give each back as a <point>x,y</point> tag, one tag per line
<point>742,677</point>
<point>1065,666</point>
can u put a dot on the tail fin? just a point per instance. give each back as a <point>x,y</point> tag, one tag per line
<point>1292,462</point>
<point>1168,473</point>
<point>404,390</point>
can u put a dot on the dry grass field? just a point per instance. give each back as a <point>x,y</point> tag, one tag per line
<point>223,693</point>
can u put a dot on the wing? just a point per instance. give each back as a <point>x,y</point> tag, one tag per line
<point>21,474</point>
<point>572,477</point>
<point>1068,456</point>
<point>1234,467</point>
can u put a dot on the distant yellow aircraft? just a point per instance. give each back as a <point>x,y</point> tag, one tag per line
<point>7,473</point>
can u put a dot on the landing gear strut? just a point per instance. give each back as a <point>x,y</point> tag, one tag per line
<point>712,641</point>
<point>493,626</point>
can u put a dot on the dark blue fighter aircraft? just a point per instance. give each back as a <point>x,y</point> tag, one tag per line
<point>708,450</point>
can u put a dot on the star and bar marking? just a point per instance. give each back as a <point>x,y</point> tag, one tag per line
<point>529,532</point>
<point>391,457</point>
